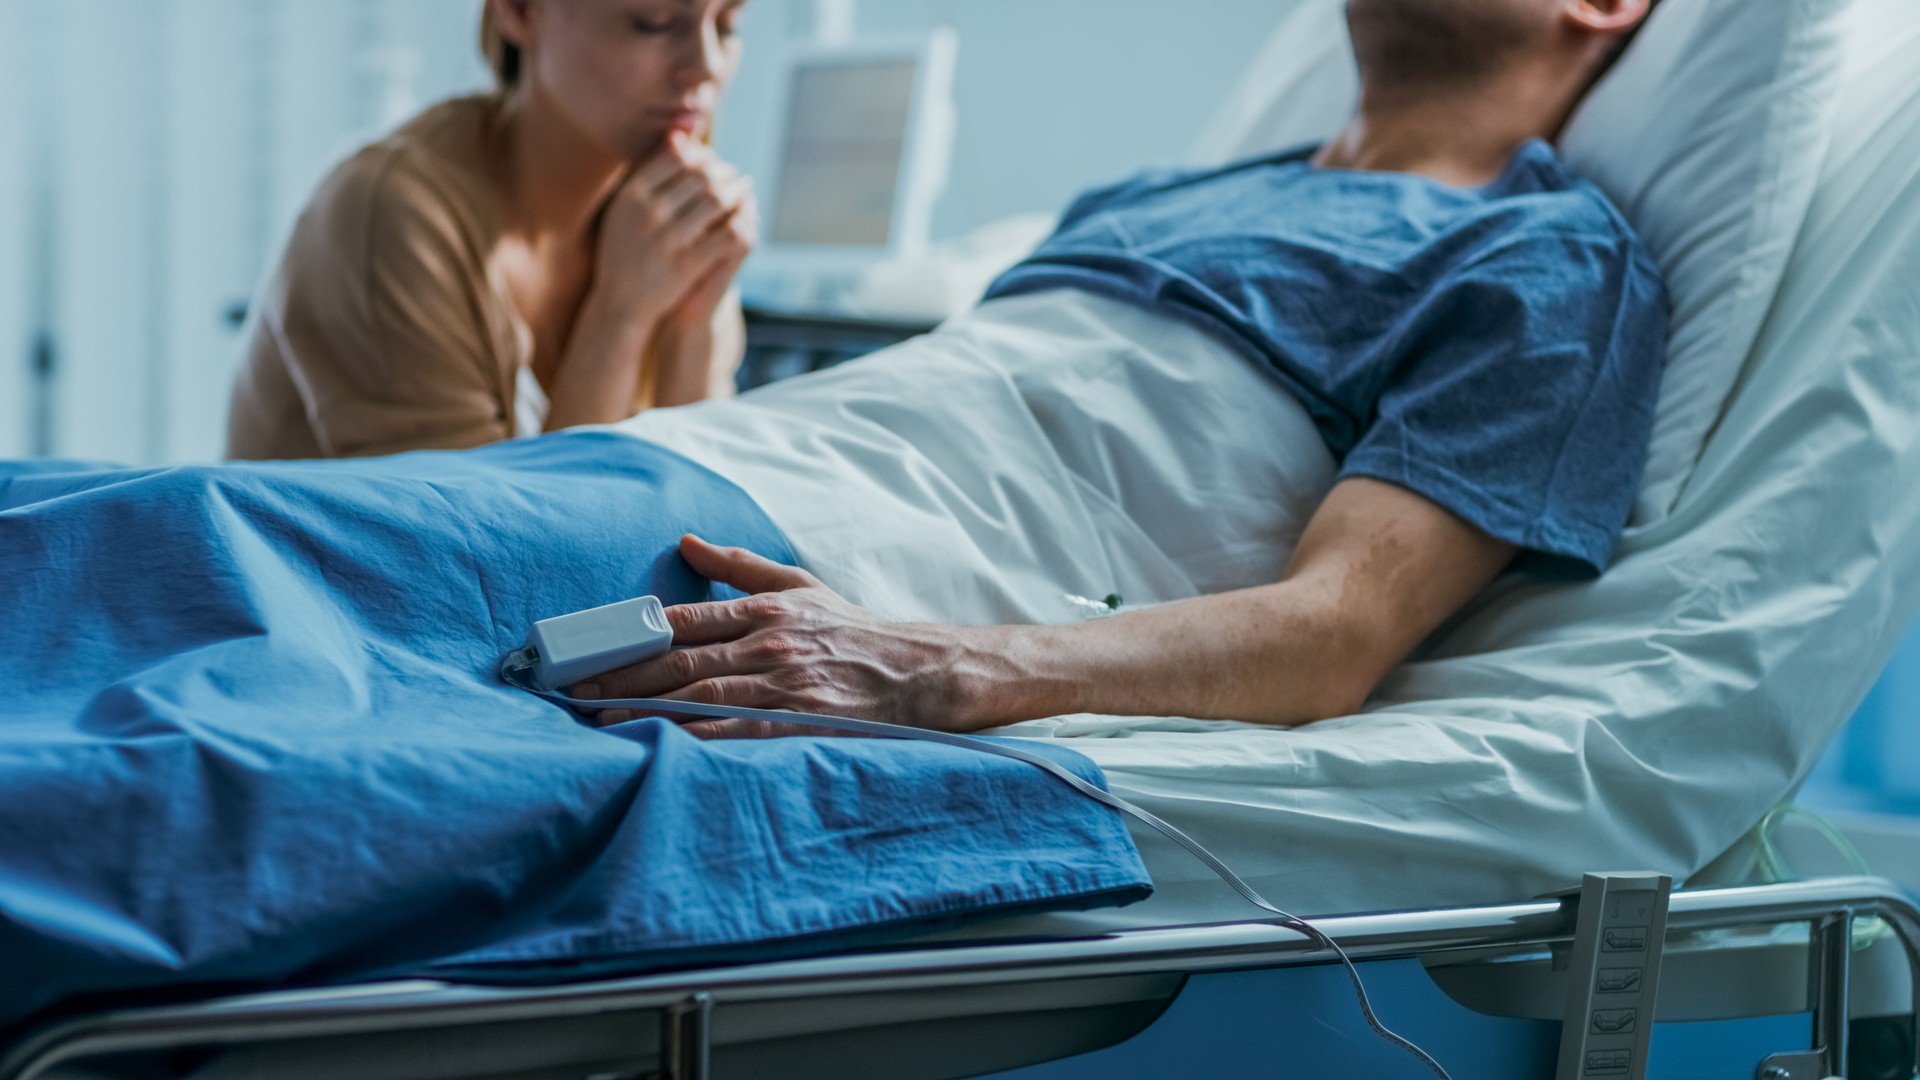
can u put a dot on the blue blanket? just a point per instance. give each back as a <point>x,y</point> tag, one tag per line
<point>250,736</point>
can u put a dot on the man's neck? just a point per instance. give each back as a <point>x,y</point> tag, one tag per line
<point>1462,136</point>
<point>556,180</point>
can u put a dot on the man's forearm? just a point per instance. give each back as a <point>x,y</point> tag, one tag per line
<point>1276,654</point>
<point>1377,569</point>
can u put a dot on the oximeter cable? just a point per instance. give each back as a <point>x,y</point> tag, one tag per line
<point>514,671</point>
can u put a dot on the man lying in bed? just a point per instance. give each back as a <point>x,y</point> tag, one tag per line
<point>1476,335</point>
<point>253,738</point>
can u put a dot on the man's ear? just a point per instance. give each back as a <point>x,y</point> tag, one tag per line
<point>1607,16</point>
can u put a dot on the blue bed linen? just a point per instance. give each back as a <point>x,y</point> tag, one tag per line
<point>250,736</point>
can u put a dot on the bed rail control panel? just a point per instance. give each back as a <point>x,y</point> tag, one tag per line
<point>1613,976</point>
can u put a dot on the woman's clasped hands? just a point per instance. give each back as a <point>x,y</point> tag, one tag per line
<point>671,240</point>
<point>675,233</point>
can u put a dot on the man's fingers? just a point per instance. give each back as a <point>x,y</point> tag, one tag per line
<point>723,730</point>
<point>742,569</point>
<point>734,691</point>
<point>663,675</point>
<point>733,729</point>
<point>710,623</point>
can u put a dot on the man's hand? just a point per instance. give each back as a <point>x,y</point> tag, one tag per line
<point>796,645</point>
<point>1377,569</point>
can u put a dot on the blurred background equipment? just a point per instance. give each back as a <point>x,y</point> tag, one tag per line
<point>864,148</point>
<point>862,153</point>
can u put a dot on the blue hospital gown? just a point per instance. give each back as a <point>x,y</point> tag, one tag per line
<point>1496,350</point>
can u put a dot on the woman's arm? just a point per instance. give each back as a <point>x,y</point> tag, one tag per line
<point>703,340</point>
<point>1378,569</point>
<point>370,322</point>
<point>670,244</point>
<point>698,355</point>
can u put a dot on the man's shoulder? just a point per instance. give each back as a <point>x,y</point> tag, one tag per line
<point>1555,246</point>
<point>1550,199</point>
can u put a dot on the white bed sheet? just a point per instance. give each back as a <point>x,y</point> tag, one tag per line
<point>1649,718</point>
<point>1068,444</point>
<point>1643,720</point>
<point>1043,446</point>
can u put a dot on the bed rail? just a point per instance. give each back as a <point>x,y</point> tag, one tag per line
<point>684,1001</point>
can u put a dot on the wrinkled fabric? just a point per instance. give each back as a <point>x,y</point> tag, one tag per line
<point>1495,349</point>
<point>1646,719</point>
<point>251,737</point>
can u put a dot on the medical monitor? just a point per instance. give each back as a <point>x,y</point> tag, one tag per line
<point>862,152</point>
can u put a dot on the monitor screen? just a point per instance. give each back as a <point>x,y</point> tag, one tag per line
<point>844,153</point>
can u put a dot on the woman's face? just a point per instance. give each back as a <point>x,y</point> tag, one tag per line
<point>626,73</point>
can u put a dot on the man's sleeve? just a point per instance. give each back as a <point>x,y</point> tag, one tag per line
<point>382,319</point>
<point>1524,392</point>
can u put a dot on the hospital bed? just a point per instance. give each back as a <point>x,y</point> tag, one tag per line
<point>781,344</point>
<point>1646,719</point>
<point>1476,986</point>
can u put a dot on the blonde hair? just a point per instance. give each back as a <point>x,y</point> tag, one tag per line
<point>502,56</point>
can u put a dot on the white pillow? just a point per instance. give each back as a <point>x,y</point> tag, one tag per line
<point>1709,136</point>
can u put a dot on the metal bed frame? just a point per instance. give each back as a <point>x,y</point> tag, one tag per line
<point>782,344</point>
<point>666,1022</point>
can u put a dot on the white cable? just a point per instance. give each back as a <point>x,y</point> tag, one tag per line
<point>515,675</point>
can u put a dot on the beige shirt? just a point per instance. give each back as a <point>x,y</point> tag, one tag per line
<point>387,326</point>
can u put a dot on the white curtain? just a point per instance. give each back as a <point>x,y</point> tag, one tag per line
<point>16,300</point>
<point>160,153</point>
<point>174,140</point>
